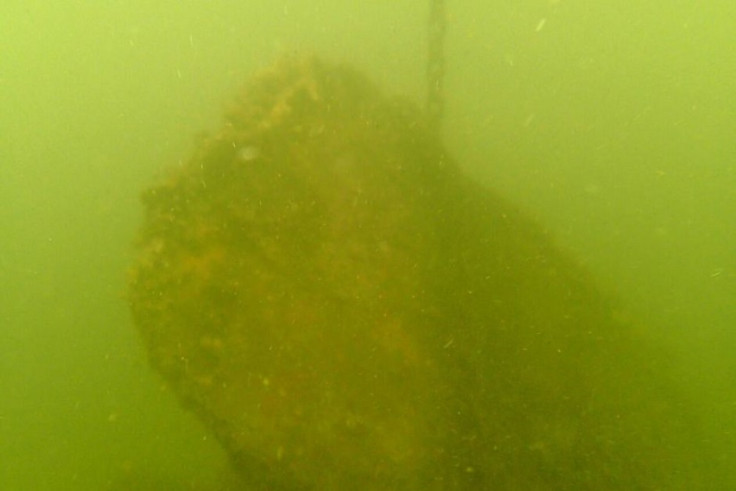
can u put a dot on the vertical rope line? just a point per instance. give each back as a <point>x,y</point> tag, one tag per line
<point>436,64</point>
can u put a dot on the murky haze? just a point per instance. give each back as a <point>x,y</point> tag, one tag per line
<point>613,124</point>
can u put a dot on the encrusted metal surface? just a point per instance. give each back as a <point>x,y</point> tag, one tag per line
<point>345,310</point>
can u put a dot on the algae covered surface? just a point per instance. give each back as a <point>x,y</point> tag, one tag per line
<point>464,336</point>
<point>344,309</point>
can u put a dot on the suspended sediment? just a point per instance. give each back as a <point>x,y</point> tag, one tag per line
<point>344,309</point>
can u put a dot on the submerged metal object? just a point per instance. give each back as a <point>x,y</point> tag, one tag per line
<point>345,310</point>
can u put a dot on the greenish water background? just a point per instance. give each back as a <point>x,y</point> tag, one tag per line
<point>612,122</point>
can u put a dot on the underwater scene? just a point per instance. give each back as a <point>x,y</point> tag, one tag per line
<point>331,245</point>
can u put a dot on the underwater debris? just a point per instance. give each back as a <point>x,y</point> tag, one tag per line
<point>344,309</point>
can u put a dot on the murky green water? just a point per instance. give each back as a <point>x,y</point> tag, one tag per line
<point>611,123</point>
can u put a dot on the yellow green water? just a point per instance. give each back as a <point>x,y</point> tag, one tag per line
<point>612,122</point>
